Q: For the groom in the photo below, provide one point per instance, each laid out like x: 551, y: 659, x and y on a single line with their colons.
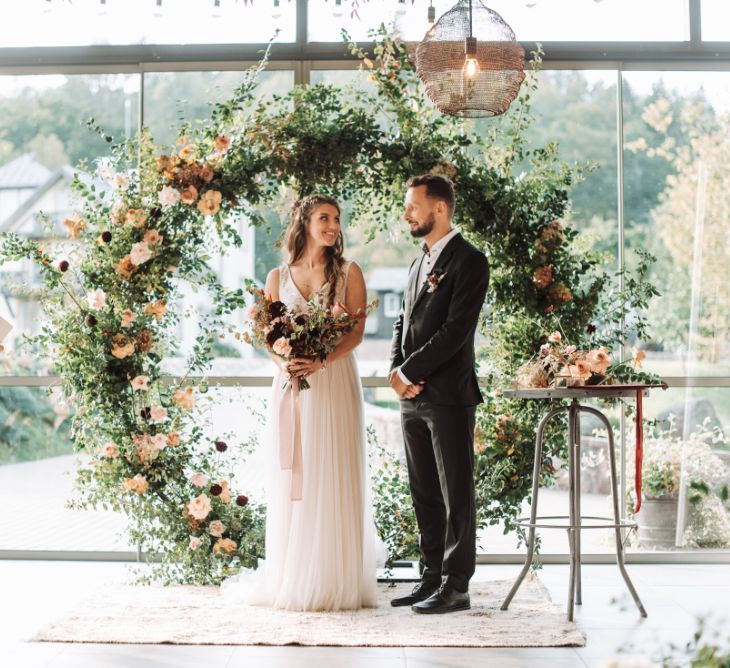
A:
x: 432, y: 371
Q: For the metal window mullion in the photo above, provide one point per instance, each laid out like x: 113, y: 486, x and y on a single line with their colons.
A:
x: 621, y: 267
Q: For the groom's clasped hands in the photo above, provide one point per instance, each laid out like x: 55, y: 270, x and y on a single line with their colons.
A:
x: 401, y: 389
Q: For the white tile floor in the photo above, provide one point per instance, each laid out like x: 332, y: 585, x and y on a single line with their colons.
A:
x: 34, y: 592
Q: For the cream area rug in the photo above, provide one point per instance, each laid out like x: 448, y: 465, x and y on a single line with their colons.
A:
x: 199, y: 616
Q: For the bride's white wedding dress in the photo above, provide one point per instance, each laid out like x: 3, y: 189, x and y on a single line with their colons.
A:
x: 321, y: 549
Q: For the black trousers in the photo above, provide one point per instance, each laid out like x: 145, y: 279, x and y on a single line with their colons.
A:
x: 440, y: 455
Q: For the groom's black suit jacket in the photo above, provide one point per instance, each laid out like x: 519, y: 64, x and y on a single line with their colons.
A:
x: 433, y: 337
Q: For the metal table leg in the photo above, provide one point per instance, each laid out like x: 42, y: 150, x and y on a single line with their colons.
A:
x: 576, y: 469
x: 616, y: 513
x: 533, y: 509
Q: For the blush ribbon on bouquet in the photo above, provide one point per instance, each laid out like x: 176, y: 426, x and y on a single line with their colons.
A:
x: 639, y: 450
x: 290, y: 435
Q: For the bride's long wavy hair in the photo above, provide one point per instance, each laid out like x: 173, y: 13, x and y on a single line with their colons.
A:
x: 295, y: 239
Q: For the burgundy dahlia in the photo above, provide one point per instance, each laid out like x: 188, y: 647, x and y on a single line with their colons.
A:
x: 216, y: 490
x: 106, y: 236
x: 63, y: 265
x: 91, y: 320
x: 221, y: 446
x: 241, y: 500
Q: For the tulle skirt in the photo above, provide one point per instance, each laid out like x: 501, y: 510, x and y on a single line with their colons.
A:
x: 322, y: 550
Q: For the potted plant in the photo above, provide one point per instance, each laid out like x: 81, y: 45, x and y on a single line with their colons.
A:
x: 706, y: 474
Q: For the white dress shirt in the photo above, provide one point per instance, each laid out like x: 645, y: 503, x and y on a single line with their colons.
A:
x: 431, y: 256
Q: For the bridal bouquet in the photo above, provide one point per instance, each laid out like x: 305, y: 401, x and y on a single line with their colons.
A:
x: 312, y: 333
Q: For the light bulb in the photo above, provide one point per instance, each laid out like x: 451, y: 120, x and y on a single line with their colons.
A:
x: 471, y: 69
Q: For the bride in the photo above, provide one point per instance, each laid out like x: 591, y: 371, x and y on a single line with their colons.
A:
x: 320, y: 548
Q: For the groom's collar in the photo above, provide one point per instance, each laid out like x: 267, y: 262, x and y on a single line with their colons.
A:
x: 441, y: 243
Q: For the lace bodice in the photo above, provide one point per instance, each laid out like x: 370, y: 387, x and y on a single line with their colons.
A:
x: 289, y: 293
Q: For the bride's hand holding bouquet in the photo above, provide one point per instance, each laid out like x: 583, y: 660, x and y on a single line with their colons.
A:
x: 301, y: 341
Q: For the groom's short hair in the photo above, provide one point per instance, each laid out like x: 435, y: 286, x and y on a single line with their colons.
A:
x: 437, y: 186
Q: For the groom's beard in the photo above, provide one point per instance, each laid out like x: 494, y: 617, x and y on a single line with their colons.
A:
x: 424, y: 228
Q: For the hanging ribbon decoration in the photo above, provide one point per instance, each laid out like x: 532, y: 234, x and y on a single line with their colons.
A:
x: 639, y: 450
x: 290, y: 438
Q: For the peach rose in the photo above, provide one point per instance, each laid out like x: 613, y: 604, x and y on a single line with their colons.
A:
x: 158, y: 414
x: 163, y: 163
x: 184, y: 398
x: 189, y: 195
x: 195, y: 542
x: 136, y: 218
x: 599, y: 360
x: 125, y: 267
x: 225, y: 545
x: 225, y: 496
x: 157, y: 309
x: 74, y: 226
x: 140, y: 383
x: 138, y: 484
x: 110, y: 450
x: 216, y: 528
x: 581, y: 369
x: 199, y: 479
x: 122, y: 347
x: 282, y: 347
x: 128, y: 317
x: 199, y: 507
x: 152, y: 237
x: 221, y: 143
x: 210, y: 203
x: 207, y: 173
x: 173, y: 438
x: 555, y: 337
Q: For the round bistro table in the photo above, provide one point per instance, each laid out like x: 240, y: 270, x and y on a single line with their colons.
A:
x: 574, y: 522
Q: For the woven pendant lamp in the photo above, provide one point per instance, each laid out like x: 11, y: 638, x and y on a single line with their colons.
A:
x: 470, y: 62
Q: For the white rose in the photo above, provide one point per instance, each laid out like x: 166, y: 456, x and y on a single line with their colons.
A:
x: 199, y: 479
x: 169, y: 196
x: 158, y: 414
x: 140, y: 253
x: 97, y: 299
x: 199, y: 507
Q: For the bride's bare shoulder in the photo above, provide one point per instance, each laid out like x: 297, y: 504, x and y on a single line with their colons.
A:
x: 272, y: 284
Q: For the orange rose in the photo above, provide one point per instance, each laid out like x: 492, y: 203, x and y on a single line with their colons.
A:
x: 125, y: 267
x: 210, y: 203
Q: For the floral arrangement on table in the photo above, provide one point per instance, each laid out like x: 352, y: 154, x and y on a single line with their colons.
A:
x: 561, y: 364
x: 312, y: 333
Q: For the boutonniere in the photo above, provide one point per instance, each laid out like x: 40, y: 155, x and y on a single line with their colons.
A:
x: 434, y: 278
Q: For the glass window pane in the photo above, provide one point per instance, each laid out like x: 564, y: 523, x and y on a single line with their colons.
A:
x: 676, y: 198
x: 538, y: 20
x: 170, y: 99
x: 715, y: 20
x: 120, y: 22
x: 686, y: 466
x: 42, y: 138
x: 38, y: 467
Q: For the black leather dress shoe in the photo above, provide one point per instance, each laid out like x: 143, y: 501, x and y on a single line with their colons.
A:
x: 446, y: 599
x: 420, y: 593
